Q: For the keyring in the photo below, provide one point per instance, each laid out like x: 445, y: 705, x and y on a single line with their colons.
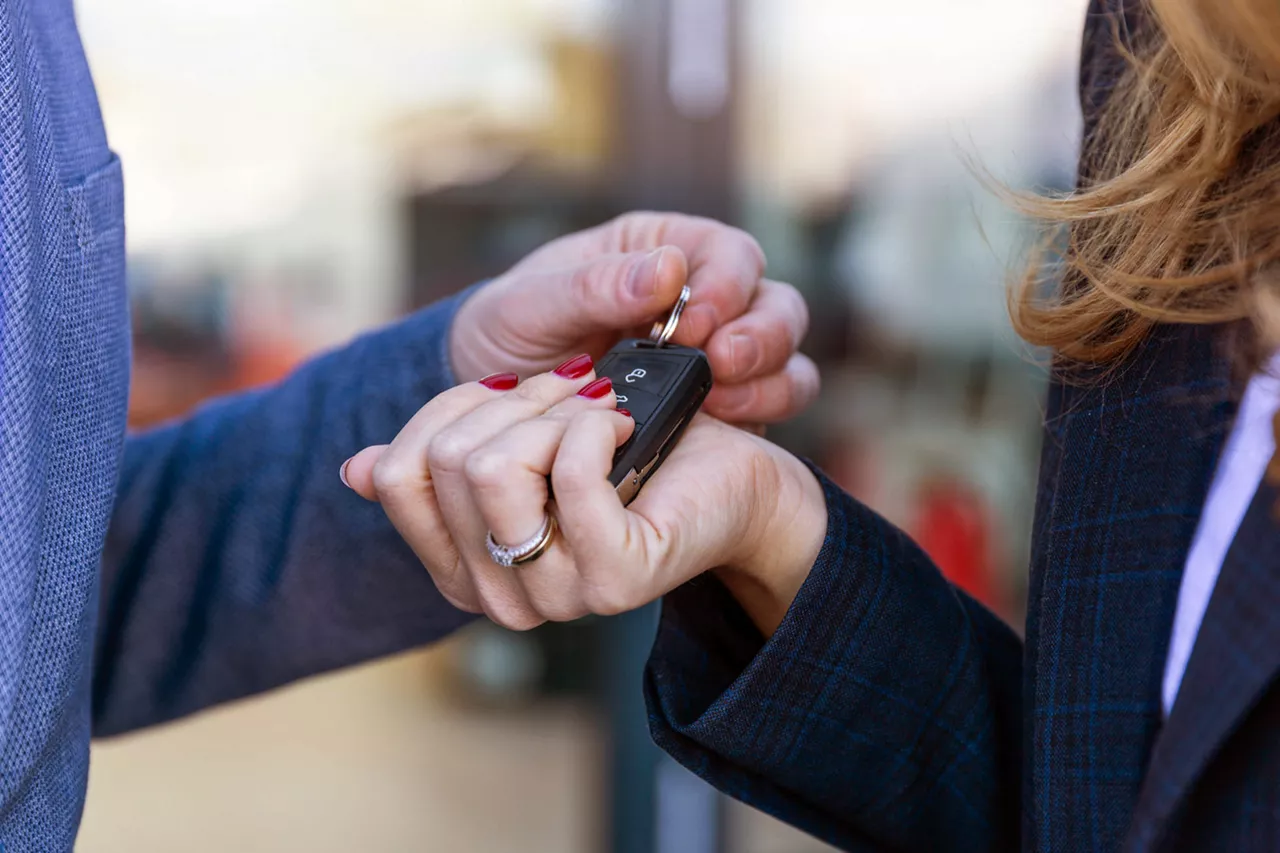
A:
x: 660, y: 334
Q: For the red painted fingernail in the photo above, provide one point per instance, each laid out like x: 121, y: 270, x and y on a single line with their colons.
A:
x: 501, y: 381
x: 597, y: 389
x: 342, y: 473
x: 626, y: 413
x: 576, y: 367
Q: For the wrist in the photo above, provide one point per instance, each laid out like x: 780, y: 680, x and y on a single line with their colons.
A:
x: 788, y: 527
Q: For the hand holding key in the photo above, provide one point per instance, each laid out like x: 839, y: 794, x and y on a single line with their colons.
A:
x: 585, y: 291
x: 477, y: 462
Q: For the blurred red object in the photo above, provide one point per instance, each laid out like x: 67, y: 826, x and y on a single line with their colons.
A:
x: 165, y: 386
x: 954, y: 529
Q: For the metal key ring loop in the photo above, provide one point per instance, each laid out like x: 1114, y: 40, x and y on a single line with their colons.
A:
x: 660, y: 334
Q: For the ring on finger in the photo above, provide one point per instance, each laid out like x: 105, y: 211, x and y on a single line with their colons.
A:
x: 527, y: 551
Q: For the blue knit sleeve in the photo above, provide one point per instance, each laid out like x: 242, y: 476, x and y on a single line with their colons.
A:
x: 237, y: 561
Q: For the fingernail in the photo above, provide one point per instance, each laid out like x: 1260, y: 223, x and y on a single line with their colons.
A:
x: 501, y: 381
x: 576, y: 367
x: 597, y: 389
x: 342, y: 473
x: 626, y: 413
x: 645, y: 277
x: 745, y: 354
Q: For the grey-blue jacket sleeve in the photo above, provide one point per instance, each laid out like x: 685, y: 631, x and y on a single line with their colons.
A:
x: 237, y: 561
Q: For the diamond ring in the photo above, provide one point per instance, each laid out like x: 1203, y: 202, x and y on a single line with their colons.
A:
x: 527, y: 551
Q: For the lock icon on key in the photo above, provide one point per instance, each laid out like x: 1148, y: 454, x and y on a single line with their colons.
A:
x: 662, y: 386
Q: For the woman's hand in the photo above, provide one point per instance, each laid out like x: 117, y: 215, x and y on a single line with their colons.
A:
x: 477, y: 458
x: 584, y: 292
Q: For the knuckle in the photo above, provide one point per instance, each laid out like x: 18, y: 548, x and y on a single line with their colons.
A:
x: 487, y: 469
x: 539, y: 393
x: 630, y: 219
x: 390, y: 476
x: 747, y: 399
x: 780, y: 339
x: 537, y: 397
x: 752, y: 245
x: 447, y: 452
x: 804, y: 384
x: 799, y: 309
x: 459, y: 602
x: 813, y: 383
x: 582, y: 285
x: 638, y: 230
x: 501, y: 600
x: 556, y: 608
x: 571, y: 474
x: 514, y: 618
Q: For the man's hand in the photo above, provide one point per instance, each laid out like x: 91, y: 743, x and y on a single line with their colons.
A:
x: 584, y: 292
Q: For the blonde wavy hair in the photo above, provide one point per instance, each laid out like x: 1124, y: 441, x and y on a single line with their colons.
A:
x: 1177, y: 215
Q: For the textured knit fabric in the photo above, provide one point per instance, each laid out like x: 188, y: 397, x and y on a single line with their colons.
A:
x: 891, y: 713
x: 63, y: 388
x: 236, y: 560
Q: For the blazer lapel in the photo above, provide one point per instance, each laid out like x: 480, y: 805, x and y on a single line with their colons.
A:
x: 1125, y: 471
x: 1235, y: 658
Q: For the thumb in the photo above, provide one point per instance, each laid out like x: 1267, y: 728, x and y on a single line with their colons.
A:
x: 357, y: 472
x: 607, y: 294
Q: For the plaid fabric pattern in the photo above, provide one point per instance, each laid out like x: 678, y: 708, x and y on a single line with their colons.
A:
x: 884, y: 714
x: 1232, y: 669
x: 1125, y: 473
x: 221, y: 550
x: 890, y: 712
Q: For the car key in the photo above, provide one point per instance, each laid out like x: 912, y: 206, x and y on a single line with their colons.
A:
x: 663, y: 386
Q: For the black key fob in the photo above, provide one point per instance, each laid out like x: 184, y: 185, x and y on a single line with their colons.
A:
x: 663, y: 387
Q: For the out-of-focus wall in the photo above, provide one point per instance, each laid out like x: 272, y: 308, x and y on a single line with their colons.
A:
x: 260, y: 133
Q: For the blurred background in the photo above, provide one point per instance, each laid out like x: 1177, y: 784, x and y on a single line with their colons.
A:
x: 298, y: 171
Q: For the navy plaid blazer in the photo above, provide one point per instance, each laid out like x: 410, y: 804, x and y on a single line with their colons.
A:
x: 892, y: 712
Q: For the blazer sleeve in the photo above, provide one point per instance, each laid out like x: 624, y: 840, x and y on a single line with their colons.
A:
x: 884, y: 713
x: 236, y: 561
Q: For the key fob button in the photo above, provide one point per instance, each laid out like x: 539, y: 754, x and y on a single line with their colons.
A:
x: 653, y: 374
x: 641, y: 404
x: 661, y: 387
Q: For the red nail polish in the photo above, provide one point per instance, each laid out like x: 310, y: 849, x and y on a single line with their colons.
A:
x: 576, y: 367
x: 501, y: 381
x: 624, y: 412
x: 597, y: 389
